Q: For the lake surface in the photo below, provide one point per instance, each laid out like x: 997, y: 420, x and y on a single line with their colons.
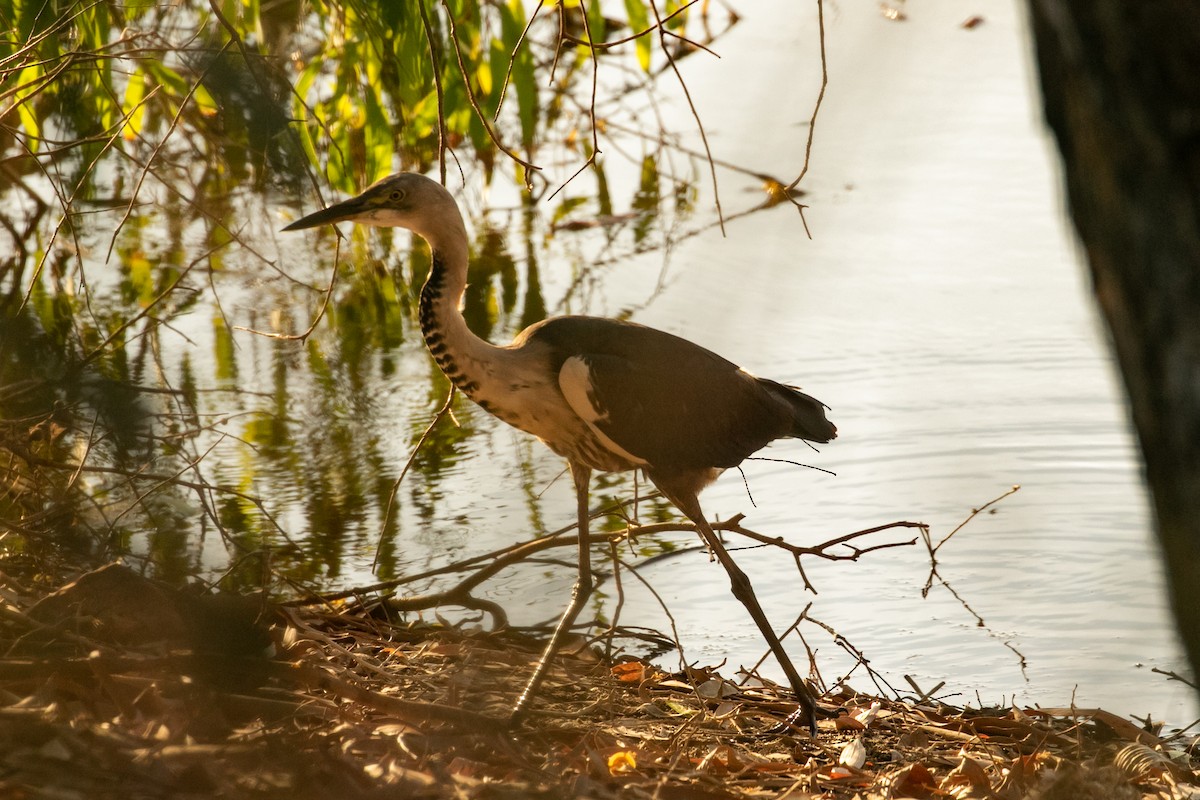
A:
x: 941, y: 309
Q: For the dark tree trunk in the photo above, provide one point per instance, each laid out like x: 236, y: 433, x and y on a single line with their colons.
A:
x: 1121, y: 83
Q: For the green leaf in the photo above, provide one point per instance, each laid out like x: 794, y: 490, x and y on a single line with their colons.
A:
x: 29, y: 83
x: 595, y: 21
x: 141, y: 277
x: 204, y: 101
x: 412, y: 63
x: 484, y: 77
x: 567, y: 205
x: 679, y: 22
x: 522, y: 80
x: 133, y: 105
x: 639, y: 21
x: 377, y: 136
x: 307, y: 77
x: 224, y: 351
x: 165, y: 77
x: 603, y: 197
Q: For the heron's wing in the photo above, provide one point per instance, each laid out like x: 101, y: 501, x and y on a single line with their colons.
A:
x: 666, y: 401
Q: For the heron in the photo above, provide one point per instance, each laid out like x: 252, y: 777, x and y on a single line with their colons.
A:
x: 607, y: 395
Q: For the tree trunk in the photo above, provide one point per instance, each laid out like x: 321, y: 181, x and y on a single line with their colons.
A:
x: 1121, y: 84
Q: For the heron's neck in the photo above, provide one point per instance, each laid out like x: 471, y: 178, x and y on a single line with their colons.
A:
x: 466, y: 359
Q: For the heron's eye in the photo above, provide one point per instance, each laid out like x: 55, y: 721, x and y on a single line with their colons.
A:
x: 396, y: 196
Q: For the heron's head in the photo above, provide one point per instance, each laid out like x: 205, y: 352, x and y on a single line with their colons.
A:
x: 405, y: 200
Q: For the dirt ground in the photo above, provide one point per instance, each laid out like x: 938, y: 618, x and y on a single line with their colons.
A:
x: 117, y: 686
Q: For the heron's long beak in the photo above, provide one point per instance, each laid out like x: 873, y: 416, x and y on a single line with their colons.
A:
x: 338, y: 212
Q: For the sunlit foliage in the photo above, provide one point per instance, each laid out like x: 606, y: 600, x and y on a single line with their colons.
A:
x: 346, y: 86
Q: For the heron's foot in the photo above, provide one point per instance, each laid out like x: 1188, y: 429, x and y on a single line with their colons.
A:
x: 515, y: 717
x: 803, y: 718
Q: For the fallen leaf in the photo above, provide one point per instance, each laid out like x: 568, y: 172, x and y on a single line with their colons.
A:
x: 622, y: 762
x: 914, y: 780
x: 854, y: 754
x: 845, y: 723
x: 717, y: 688
x: 967, y: 773
x: 629, y: 672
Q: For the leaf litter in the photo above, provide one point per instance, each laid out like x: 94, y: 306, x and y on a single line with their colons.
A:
x: 119, y: 686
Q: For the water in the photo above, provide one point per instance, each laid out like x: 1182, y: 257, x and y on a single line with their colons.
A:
x: 941, y: 310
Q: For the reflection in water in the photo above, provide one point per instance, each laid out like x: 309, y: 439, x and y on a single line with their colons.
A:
x: 168, y: 336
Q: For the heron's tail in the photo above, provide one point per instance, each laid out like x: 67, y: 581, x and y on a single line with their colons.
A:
x: 808, y: 414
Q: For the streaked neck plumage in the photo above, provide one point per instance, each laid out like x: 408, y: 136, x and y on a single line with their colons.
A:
x: 518, y: 384
x: 468, y: 361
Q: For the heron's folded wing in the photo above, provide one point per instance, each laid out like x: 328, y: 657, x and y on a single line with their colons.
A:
x: 682, y: 409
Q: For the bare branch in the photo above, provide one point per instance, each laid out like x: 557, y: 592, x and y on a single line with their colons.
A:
x: 487, y: 126
x: 695, y: 114
x: 812, y: 122
x: 387, y: 511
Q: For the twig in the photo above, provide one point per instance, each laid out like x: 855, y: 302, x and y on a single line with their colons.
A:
x: 441, y: 98
x: 591, y: 159
x: 387, y: 511
x: 924, y: 695
x: 483, y: 120
x: 658, y: 26
x: 934, y: 574
x: 145, y: 310
x: 512, y: 58
x: 498, y: 560
x: 619, y: 605
x: 666, y: 610
x: 859, y: 657
x: 695, y: 114
x: 974, y: 513
x: 767, y: 654
x: 327, y: 295
x: 1175, y: 676
x: 407, y: 710
x: 812, y: 122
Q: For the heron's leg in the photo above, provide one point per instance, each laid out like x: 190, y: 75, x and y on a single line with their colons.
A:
x: 579, y: 595
x: 744, y: 592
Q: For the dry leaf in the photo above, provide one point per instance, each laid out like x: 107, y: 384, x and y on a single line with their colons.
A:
x: 1144, y: 764
x: 854, y: 754
x: 622, y: 762
x: 629, y: 672
x: 845, y: 723
x: 867, y: 715
x: 968, y: 773
x: 717, y: 688
x: 915, y: 780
